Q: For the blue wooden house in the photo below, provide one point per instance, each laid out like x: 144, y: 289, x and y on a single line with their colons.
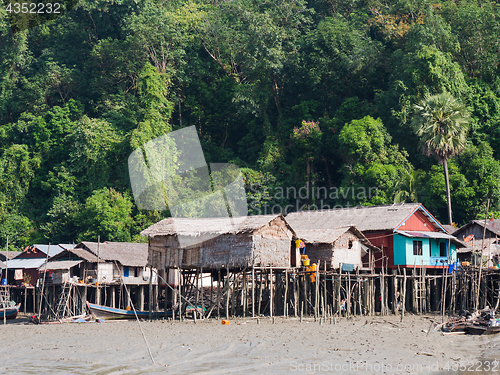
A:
x: 408, y: 234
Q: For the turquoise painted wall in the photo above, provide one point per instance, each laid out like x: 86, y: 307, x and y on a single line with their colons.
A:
x: 403, y: 251
x: 400, y: 249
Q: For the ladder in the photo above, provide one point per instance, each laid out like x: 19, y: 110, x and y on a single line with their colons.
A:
x: 62, y: 307
x: 4, y: 297
x: 420, y: 290
x: 420, y: 295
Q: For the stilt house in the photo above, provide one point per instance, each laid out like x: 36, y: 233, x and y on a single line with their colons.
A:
x: 24, y: 267
x: 214, y: 243
x: 105, y: 263
x: 337, y: 247
x: 407, y: 234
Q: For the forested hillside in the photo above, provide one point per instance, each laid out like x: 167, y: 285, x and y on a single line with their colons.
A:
x: 317, y: 94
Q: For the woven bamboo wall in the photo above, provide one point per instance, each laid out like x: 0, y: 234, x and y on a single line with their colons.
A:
x: 336, y: 253
x: 266, y: 246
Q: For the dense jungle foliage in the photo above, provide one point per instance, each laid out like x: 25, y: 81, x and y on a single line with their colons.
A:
x: 317, y: 95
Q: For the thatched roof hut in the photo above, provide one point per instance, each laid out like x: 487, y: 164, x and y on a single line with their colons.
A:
x: 336, y: 246
x: 212, y: 243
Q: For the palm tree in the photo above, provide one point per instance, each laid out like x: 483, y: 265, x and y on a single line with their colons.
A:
x: 442, y: 123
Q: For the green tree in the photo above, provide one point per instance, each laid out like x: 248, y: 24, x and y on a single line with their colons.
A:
x: 106, y: 213
x: 441, y: 122
x: 306, y: 144
x: 371, y: 161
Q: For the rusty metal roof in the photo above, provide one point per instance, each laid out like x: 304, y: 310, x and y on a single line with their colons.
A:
x: 331, y: 235
x: 373, y: 218
x: 60, y: 265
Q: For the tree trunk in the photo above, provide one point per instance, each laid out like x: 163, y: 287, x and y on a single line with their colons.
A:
x: 448, y: 196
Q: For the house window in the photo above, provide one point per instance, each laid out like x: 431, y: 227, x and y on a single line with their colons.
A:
x: 125, y: 271
x: 442, y: 249
x: 417, y: 247
x: 350, y: 244
x: 136, y: 271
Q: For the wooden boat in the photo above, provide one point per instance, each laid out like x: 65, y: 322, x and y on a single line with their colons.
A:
x: 10, y: 312
x: 477, y: 329
x: 110, y: 313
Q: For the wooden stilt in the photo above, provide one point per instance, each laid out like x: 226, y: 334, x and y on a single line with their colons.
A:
x: 253, y: 291
x: 244, y: 302
x: 165, y: 301
x: 382, y: 296
x: 271, y: 299
x: 348, y: 307
x: 196, y: 291
x: 403, y: 296
x: 228, y: 294
x: 261, y: 281
x: 234, y: 290
x: 218, y: 293
x: 201, y: 292
x: 181, y: 280
x: 285, y: 298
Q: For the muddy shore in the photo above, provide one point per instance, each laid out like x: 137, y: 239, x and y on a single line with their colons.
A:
x: 367, y: 345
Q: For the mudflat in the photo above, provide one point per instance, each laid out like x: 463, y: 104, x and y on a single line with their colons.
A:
x: 363, y: 345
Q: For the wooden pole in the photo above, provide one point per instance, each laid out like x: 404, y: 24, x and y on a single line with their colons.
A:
x: 244, y: 302
x: 196, y: 283
x: 165, y: 307
x: 201, y: 292
x: 212, y: 289
x: 295, y: 294
x: 339, y: 288
x: 304, y: 282
x: 260, y: 292
x: 234, y: 291
x: 218, y: 293
x: 443, y: 294
x: 285, y: 298
x: 7, y: 286
x: 150, y: 299
x: 228, y: 293
x: 271, y: 302
x: 403, y: 296
x: 348, y: 294
x: 382, y: 296
x: 25, y: 298
x: 181, y: 277
x: 317, y: 289
x: 481, y: 258
x: 43, y: 284
x: 253, y: 292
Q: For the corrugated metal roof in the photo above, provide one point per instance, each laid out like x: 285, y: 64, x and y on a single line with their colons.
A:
x: 51, y: 249
x: 331, y: 235
x: 449, y: 228
x: 321, y: 235
x: 126, y: 253
x: 421, y: 234
x: 363, y: 218
x: 9, y: 254
x: 491, y: 225
x: 60, y: 265
x: 477, y: 244
x: 80, y: 253
x: 23, y: 263
x: 67, y: 246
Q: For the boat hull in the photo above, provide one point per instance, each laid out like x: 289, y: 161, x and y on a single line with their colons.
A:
x: 10, y: 312
x: 483, y: 330
x: 111, y: 313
